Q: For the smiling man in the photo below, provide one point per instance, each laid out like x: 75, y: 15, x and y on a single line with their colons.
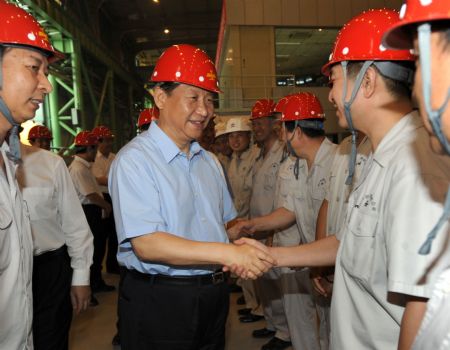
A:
x: 171, y: 204
x: 24, y: 54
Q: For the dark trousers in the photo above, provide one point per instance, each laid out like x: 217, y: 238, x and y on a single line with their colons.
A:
x: 94, y: 218
x: 161, y: 316
x: 110, y: 227
x: 52, y: 308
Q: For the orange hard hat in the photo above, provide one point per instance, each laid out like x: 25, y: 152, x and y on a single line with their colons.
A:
x: 102, y: 132
x: 39, y: 132
x: 413, y: 13
x: 262, y: 108
x: 361, y: 40
x: 86, y: 138
x: 19, y: 28
x: 188, y: 65
x: 147, y: 116
x: 302, y: 106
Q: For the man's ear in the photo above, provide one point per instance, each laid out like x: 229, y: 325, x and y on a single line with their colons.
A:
x: 370, y: 82
x: 160, y: 97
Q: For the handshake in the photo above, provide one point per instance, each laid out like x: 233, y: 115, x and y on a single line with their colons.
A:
x: 248, y: 258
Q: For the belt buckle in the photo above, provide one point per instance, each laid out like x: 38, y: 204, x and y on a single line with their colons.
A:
x: 218, y: 277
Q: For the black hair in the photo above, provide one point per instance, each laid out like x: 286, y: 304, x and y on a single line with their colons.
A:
x: 443, y: 28
x: 145, y: 127
x: 83, y: 149
x: 167, y: 86
x: 397, y: 88
x: 312, y: 133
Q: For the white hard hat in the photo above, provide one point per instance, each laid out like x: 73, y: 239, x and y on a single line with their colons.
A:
x: 219, y: 128
x: 238, y: 124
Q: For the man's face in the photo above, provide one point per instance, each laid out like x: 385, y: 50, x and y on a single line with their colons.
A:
x: 440, y: 82
x: 25, y: 82
x: 222, y: 146
x: 105, y: 147
x: 91, y: 153
x: 185, y: 112
x: 262, y: 129
x: 239, y: 140
x: 336, y: 92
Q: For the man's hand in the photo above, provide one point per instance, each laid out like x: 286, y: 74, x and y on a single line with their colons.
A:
x: 80, y: 297
x: 250, y: 260
x: 241, y: 228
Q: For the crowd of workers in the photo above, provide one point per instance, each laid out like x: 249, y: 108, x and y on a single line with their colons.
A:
x: 335, y: 246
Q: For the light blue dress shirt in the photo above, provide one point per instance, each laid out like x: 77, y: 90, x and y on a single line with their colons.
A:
x: 156, y: 187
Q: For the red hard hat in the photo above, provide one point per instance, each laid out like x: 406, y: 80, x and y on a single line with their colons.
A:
x: 86, y: 138
x: 301, y: 106
x: 147, y: 116
x: 102, y: 132
x: 188, y: 65
x: 412, y: 13
x: 18, y: 27
x: 361, y: 40
x: 281, y: 104
x: 262, y: 108
x: 39, y: 132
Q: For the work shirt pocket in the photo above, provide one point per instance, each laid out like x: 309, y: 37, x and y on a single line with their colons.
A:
x: 358, y: 251
x: 5, y: 233
x: 40, y: 202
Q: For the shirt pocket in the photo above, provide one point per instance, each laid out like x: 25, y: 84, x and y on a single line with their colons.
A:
x: 270, y: 177
x: 359, y: 250
x: 5, y: 237
x: 41, y: 202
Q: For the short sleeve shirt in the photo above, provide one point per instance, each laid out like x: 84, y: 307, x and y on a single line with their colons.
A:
x: 240, y: 176
x: 265, y: 172
x: 395, y: 205
x: 83, y: 179
x: 337, y: 191
x: 306, y: 202
x: 157, y: 188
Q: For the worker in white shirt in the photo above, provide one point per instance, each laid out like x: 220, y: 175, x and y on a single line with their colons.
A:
x: 265, y: 173
x: 62, y: 244
x: 25, y: 52
x: 381, y: 283
x: 100, y: 169
x: 94, y: 205
x: 304, y: 135
x: 424, y: 27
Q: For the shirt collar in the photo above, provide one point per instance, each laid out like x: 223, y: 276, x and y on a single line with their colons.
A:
x: 403, y: 129
x: 83, y: 161
x: 165, y: 144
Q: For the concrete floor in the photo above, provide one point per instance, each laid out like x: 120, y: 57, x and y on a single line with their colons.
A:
x: 95, y: 328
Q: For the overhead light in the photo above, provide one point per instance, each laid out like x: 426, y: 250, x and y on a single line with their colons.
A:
x: 156, y: 1
x: 320, y: 29
x: 166, y: 31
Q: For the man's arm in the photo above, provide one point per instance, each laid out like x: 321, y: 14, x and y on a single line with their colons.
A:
x: 278, y: 219
x: 96, y: 199
x: 166, y: 248
x: 318, y: 253
x: 412, y: 318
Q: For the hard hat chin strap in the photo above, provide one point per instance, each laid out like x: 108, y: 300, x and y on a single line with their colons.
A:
x: 435, y: 117
x: 348, y: 115
x: 13, y: 142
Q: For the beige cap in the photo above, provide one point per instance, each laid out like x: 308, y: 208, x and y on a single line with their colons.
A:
x: 238, y: 124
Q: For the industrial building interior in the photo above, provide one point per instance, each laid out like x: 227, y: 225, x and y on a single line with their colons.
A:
x: 261, y: 48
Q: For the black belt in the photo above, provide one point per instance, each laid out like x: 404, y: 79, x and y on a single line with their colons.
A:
x: 52, y: 254
x: 216, y: 277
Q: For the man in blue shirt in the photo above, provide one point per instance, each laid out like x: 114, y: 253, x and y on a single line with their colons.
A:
x: 171, y: 204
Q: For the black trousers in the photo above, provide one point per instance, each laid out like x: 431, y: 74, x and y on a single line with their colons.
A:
x: 52, y: 308
x: 94, y: 218
x: 110, y: 227
x: 164, y: 316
